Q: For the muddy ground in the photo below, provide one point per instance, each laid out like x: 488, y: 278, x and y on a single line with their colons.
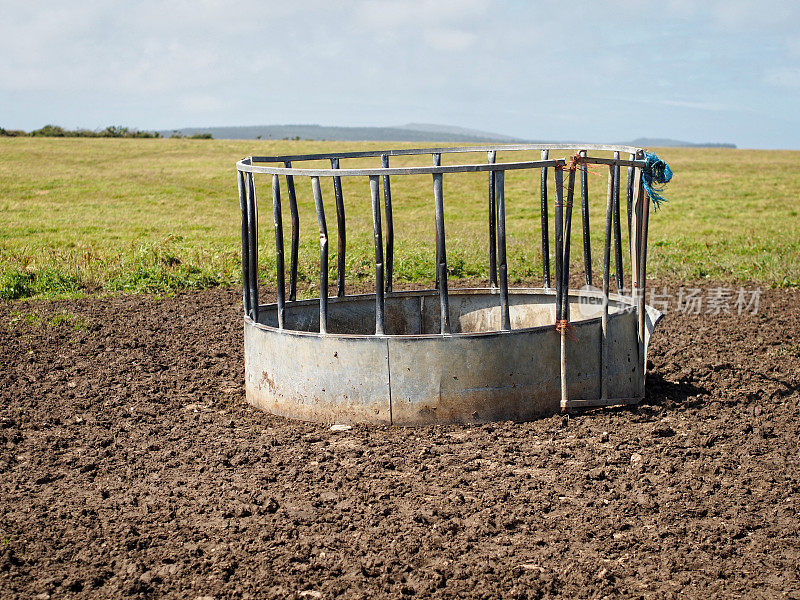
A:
x: 130, y: 466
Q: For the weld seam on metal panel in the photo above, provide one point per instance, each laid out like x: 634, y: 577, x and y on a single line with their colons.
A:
x: 389, y: 379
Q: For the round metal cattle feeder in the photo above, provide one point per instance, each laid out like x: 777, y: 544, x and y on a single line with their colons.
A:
x: 451, y: 355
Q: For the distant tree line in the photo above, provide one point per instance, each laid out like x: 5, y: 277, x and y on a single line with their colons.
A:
x: 112, y: 131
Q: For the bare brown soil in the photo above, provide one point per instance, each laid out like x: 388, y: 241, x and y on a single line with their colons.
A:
x: 130, y: 465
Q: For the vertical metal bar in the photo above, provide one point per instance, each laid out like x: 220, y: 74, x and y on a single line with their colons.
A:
x: 252, y: 237
x: 295, y: 234
x: 636, y: 270
x: 323, y: 256
x: 643, y: 278
x: 387, y: 201
x: 505, y: 318
x: 630, y: 199
x: 638, y: 241
x: 565, y: 288
x: 441, y: 254
x: 380, y: 318
x: 559, y: 206
x: 245, y: 245
x: 341, y: 233
x: 276, y: 212
x: 545, y: 218
x: 587, y: 242
x: 437, y: 162
x: 492, y: 157
x: 643, y: 238
x: 617, y: 230
x: 567, y: 240
x: 563, y: 364
x: 612, y: 184
x: 635, y: 237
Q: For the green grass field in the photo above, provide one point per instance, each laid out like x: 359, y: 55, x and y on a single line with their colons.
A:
x: 82, y: 216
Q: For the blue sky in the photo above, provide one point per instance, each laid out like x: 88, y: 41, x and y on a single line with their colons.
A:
x: 594, y: 71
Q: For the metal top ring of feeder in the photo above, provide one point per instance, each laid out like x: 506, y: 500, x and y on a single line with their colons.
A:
x: 250, y: 164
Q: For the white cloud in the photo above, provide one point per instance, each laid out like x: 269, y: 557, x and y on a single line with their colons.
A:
x: 783, y: 77
x: 201, y: 103
x: 394, y: 14
x: 713, y: 106
x: 792, y: 46
x: 780, y: 16
x: 523, y: 68
x: 449, y: 40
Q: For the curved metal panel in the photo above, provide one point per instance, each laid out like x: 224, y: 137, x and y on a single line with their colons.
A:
x: 415, y: 377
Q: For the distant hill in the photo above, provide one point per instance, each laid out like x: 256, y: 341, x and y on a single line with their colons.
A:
x: 459, y: 131
x: 667, y: 143
x: 412, y: 132
x: 405, y: 133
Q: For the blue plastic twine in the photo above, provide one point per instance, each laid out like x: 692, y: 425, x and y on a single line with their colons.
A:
x: 656, y: 174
